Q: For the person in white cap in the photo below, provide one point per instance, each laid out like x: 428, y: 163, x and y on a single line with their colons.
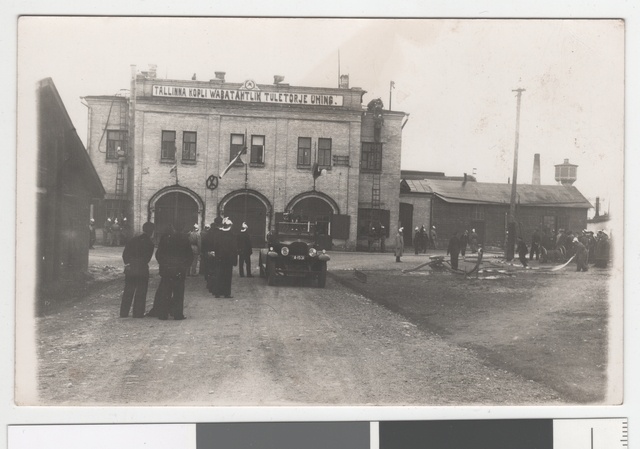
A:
x: 473, y: 241
x: 195, y: 241
x: 92, y: 233
x: 399, y: 249
x: 226, y: 254
x: 244, y: 251
x: 115, y: 233
x: 581, y: 255
x: 106, y: 232
x: 417, y: 241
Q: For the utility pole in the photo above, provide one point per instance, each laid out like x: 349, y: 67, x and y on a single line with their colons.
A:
x: 511, y: 229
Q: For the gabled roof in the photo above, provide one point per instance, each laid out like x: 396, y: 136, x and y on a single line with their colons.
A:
x: 493, y: 193
x: 79, y: 163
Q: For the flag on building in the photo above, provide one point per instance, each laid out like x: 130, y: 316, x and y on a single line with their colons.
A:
x: 236, y: 158
x: 233, y: 161
x: 174, y: 169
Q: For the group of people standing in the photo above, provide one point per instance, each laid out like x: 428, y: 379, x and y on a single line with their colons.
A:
x: 423, y: 239
x: 585, y: 246
x: 213, y: 253
x: 115, y: 232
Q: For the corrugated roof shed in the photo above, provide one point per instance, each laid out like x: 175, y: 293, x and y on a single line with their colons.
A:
x: 493, y: 193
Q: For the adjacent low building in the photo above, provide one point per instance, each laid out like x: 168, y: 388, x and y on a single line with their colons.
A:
x: 67, y: 185
x: 160, y: 151
x: 459, y: 205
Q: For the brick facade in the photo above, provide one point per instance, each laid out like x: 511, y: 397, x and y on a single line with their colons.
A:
x: 276, y: 182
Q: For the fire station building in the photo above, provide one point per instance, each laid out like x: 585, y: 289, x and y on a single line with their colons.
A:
x: 160, y: 150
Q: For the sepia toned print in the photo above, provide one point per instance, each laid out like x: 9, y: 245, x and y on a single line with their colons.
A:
x: 345, y: 212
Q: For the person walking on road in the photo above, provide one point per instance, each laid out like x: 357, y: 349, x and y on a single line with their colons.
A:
x: 174, y: 256
x: 136, y: 256
x: 454, y: 250
x: 196, y: 244
x: 244, y: 251
x: 226, y: 253
x: 399, y: 249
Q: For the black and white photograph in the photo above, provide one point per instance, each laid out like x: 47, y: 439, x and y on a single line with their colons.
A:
x: 266, y: 212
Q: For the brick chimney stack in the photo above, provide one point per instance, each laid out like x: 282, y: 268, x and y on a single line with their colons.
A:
x: 535, y: 180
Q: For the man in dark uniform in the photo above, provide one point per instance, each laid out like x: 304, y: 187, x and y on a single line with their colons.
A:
x: 174, y: 257
x: 424, y: 235
x: 136, y: 256
x: 581, y: 255
x: 454, y: 250
x: 522, y: 252
x: 203, y: 253
x: 473, y: 241
x: 244, y: 251
x: 226, y: 253
x: 536, y: 240
x: 208, y: 244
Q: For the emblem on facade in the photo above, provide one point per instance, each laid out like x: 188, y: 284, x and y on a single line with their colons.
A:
x: 212, y: 182
x: 249, y: 85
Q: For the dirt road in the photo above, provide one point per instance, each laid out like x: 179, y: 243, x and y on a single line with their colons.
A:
x: 280, y: 345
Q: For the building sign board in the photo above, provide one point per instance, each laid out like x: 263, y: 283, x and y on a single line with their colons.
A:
x: 254, y: 96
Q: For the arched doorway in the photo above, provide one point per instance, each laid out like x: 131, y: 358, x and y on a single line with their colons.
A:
x: 250, y: 209
x: 177, y: 206
x: 318, y: 209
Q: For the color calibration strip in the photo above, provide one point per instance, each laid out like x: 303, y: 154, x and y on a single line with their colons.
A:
x: 601, y: 433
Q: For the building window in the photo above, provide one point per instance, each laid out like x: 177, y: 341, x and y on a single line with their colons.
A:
x: 304, y: 150
x: 257, y: 150
x: 324, y: 152
x: 371, y: 159
x: 237, y: 145
x: 189, y: 141
x: 168, y: 152
x: 477, y: 213
x: 116, y: 142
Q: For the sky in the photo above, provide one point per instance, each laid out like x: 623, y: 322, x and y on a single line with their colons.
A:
x: 455, y: 79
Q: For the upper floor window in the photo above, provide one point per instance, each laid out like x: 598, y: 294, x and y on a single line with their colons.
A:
x: 257, y: 149
x: 237, y: 144
x: 324, y: 152
x: 116, y: 143
x: 168, y: 151
x: 371, y: 156
x: 304, y: 150
x: 189, y: 141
